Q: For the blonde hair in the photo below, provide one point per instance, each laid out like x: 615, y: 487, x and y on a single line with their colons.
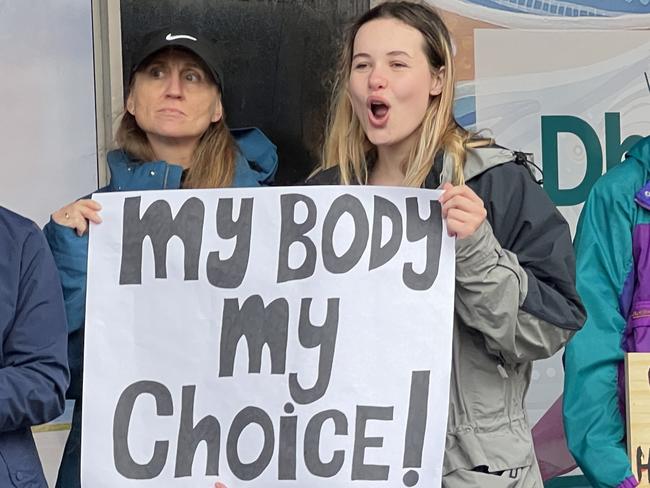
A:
x: 213, y: 161
x: 346, y: 145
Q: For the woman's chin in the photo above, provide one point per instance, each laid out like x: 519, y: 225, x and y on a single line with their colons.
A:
x: 173, y: 133
x: 378, y: 139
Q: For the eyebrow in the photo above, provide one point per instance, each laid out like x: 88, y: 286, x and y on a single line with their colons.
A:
x: 392, y: 53
x: 360, y: 55
x: 399, y: 53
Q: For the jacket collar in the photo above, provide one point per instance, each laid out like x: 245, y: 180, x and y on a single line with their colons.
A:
x: 641, y: 153
x: 478, y: 161
x: 128, y: 174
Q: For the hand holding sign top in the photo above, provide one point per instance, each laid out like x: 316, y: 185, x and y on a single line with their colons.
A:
x: 77, y: 214
x: 463, y: 209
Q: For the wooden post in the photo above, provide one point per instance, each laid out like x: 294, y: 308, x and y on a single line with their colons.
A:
x: 637, y: 387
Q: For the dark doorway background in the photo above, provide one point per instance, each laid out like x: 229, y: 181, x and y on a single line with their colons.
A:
x: 279, y: 56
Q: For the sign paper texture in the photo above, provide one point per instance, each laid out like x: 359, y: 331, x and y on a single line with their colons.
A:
x: 279, y: 337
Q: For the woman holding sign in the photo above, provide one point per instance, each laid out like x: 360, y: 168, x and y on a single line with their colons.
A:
x: 392, y: 123
x: 172, y: 135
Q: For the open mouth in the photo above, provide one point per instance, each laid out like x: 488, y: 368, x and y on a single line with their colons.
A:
x: 378, y: 112
x: 379, y: 109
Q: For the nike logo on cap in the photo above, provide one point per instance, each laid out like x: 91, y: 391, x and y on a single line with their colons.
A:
x: 171, y: 37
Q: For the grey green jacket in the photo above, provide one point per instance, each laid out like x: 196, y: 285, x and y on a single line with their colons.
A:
x: 515, y: 302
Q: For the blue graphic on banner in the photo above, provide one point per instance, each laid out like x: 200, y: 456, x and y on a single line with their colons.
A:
x: 465, y: 105
x: 573, y: 8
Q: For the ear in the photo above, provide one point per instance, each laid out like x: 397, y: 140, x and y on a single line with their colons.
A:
x: 218, y: 111
x: 130, y: 104
x: 438, y: 81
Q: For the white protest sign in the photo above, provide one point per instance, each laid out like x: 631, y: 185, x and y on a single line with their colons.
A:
x: 268, y: 337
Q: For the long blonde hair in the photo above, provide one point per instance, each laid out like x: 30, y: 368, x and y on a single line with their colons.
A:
x: 213, y: 161
x: 346, y: 145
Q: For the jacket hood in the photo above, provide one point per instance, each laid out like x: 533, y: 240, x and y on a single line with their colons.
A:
x: 641, y: 152
x: 260, y: 153
x: 478, y: 161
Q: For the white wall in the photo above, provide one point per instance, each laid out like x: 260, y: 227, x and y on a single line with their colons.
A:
x: 48, y: 153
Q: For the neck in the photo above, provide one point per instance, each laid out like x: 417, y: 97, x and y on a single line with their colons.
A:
x: 174, y: 151
x: 390, y: 165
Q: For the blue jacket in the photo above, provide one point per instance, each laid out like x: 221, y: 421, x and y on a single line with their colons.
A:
x: 256, y: 166
x: 33, y: 366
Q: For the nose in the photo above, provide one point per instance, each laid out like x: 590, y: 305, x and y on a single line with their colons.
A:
x: 174, y: 87
x: 377, y: 79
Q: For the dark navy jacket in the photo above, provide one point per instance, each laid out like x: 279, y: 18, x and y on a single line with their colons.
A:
x: 33, y: 358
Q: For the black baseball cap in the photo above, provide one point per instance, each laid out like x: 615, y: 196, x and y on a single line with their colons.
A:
x: 179, y: 36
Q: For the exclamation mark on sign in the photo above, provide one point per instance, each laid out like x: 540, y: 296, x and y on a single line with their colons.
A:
x: 416, y: 426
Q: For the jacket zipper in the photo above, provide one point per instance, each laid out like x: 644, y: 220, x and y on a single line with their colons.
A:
x: 165, y: 177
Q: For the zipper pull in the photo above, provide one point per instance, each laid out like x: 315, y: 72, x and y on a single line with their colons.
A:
x: 502, y: 371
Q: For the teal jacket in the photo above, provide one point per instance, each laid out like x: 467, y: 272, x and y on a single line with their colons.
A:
x: 614, y: 219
